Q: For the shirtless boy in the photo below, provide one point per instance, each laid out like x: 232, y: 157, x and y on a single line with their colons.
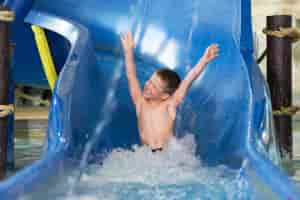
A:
x: 156, y: 104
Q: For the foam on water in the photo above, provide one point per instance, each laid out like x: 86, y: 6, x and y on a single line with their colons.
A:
x: 174, y: 173
x: 174, y: 164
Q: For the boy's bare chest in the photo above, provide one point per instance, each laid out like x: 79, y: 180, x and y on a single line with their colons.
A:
x: 154, y: 116
x: 153, y: 111
x: 155, y: 125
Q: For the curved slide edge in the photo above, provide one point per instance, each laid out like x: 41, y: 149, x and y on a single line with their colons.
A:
x: 33, y: 176
x: 267, y: 178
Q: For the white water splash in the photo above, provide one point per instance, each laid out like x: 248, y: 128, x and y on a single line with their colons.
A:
x: 174, y: 173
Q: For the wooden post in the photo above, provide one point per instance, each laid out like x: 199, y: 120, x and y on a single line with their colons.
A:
x: 4, y: 86
x: 279, y: 76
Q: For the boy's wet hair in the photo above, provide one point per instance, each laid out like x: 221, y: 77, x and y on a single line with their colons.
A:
x: 171, y: 78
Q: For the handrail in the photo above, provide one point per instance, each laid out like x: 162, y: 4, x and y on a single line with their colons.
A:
x: 45, y: 55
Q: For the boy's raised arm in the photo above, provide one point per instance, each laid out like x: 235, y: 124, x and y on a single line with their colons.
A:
x: 210, y: 53
x: 134, y: 86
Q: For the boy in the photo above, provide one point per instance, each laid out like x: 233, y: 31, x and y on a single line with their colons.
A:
x: 163, y: 92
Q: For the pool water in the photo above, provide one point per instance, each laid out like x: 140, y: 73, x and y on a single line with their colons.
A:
x: 27, y: 150
x: 175, y: 173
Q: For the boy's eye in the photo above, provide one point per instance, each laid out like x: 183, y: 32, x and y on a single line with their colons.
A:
x: 156, y: 86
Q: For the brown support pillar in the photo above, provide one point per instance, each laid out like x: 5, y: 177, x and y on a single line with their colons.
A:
x: 279, y: 75
x: 4, y: 88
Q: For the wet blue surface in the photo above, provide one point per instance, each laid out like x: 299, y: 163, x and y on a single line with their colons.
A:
x: 227, y: 108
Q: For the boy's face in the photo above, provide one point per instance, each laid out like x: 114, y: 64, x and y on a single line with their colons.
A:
x: 155, y: 88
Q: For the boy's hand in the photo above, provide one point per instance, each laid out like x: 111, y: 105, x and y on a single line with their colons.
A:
x: 134, y: 86
x: 127, y: 42
x: 210, y: 53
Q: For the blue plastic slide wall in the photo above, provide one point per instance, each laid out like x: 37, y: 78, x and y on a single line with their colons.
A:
x: 227, y: 108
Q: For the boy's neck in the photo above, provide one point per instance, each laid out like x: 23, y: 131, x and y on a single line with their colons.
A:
x: 155, y: 101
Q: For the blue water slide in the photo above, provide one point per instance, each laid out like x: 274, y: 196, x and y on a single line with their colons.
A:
x: 227, y: 109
